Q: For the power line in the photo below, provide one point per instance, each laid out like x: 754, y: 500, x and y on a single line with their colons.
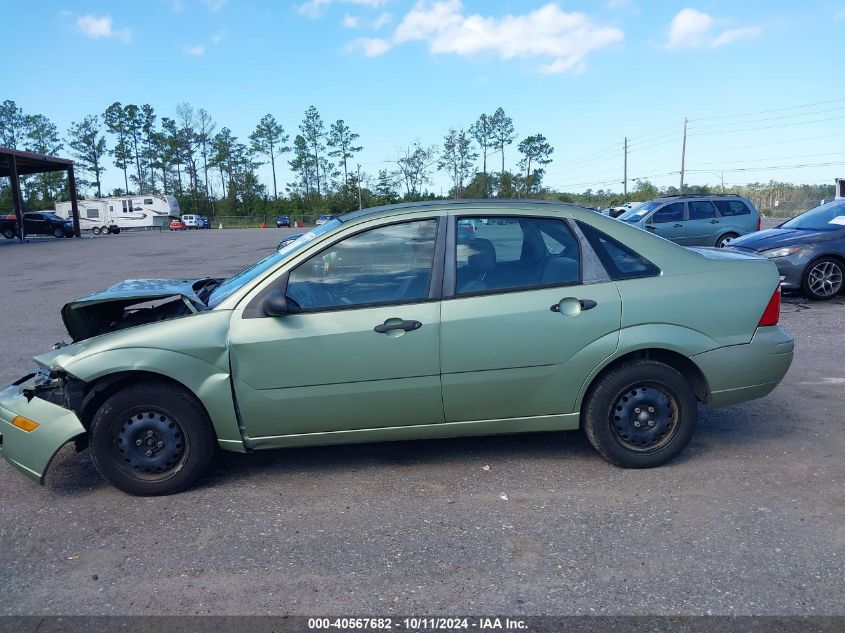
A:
x: 772, y: 167
x: 773, y: 118
x: 781, y: 142
x: 784, y: 157
x: 769, y: 127
x: 750, y: 114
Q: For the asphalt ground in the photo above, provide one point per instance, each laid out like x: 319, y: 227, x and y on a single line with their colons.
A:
x: 750, y: 519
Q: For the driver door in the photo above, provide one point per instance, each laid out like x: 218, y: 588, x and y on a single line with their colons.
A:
x: 360, y: 348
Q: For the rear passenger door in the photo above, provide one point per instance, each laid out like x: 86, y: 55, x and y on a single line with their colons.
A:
x: 703, y: 223
x: 508, y: 350
x: 669, y: 222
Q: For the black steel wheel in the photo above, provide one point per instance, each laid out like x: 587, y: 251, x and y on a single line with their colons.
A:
x: 823, y: 279
x: 151, y: 439
x: 640, y: 414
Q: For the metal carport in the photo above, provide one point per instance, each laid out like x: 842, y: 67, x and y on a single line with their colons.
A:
x: 15, y: 163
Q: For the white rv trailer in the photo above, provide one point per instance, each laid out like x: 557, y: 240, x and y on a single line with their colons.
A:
x: 104, y: 215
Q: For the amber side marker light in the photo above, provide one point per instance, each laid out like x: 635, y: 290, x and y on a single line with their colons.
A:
x: 24, y: 424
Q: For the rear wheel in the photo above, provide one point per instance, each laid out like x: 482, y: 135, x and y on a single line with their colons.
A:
x: 640, y: 414
x: 96, y: 230
x: 823, y: 279
x: 9, y: 233
x: 725, y: 240
x: 151, y: 438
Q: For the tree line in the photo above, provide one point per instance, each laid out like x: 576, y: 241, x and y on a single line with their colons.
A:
x: 211, y: 170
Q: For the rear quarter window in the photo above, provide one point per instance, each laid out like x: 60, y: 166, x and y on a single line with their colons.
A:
x: 619, y: 261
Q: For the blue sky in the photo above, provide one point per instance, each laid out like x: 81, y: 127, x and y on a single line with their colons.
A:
x: 759, y: 81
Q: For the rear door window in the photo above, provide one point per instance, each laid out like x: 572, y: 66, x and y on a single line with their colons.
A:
x: 510, y: 253
x: 701, y: 210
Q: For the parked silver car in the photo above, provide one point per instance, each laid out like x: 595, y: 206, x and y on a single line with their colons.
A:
x: 693, y: 220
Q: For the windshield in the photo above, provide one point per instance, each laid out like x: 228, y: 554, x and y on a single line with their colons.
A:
x: 638, y: 212
x: 827, y: 217
x: 245, y: 276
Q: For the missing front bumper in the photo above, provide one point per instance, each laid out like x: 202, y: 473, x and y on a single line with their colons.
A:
x: 32, y: 451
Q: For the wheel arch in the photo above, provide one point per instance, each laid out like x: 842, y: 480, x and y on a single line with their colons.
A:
x: 683, y: 364
x: 210, y: 384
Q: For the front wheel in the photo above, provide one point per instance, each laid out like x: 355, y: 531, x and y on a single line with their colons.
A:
x: 96, y: 230
x: 640, y: 414
x: 151, y: 438
x: 823, y: 279
x: 725, y: 240
x: 58, y: 233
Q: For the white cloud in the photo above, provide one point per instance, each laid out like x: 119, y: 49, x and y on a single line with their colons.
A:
x: 350, y: 21
x: 315, y: 8
x: 562, y: 39
x: 214, y: 5
x: 101, y: 27
x: 370, y: 46
x: 691, y: 28
x: 381, y: 21
x: 197, y: 50
x: 735, y: 35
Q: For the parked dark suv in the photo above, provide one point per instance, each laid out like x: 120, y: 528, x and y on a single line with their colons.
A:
x: 37, y: 223
x: 696, y: 220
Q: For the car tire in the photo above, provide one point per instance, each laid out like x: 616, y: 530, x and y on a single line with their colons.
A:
x: 58, y: 233
x: 96, y: 230
x: 151, y: 438
x: 725, y: 240
x: 9, y: 233
x: 823, y: 279
x: 640, y: 414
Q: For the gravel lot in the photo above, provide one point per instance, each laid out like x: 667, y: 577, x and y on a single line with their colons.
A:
x: 749, y: 520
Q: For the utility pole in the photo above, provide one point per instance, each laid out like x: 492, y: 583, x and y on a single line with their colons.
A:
x: 683, y: 155
x: 625, y: 181
x: 723, y: 182
x: 359, y: 186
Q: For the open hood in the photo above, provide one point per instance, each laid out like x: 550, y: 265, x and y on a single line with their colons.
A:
x: 130, y: 303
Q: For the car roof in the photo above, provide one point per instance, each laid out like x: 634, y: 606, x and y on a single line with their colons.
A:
x: 489, y: 203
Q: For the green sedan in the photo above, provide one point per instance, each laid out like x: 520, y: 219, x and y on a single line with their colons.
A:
x: 424, y: 320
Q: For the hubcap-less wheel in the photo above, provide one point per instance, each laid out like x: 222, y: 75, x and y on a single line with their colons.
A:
x: 825, y: 279
x: 151, y: 445
x: 644, y: 417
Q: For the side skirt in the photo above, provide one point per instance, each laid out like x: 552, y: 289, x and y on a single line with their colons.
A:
x: 563, y: 422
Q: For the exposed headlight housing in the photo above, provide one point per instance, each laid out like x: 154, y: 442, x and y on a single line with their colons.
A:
x: 782, y: 252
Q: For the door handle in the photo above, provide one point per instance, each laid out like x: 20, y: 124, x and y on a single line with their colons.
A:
x: 397, y: 324
x: 585, y: 304
x: 714, y: 221
x: 677, y: 226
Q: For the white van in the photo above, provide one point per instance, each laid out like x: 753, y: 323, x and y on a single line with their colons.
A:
x: 192, y: 221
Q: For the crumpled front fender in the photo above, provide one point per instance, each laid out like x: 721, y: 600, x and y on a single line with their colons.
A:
x: 31, y: 452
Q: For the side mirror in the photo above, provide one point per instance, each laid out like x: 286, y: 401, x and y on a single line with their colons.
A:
x: 275, y: 304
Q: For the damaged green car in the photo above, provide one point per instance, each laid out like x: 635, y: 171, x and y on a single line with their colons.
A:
x: 411, y: 321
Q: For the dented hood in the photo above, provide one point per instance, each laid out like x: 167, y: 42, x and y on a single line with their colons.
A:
x: 92, y: 314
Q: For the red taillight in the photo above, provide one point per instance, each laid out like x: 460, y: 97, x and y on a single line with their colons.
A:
x: 759, y: 221
x: 771, y: 315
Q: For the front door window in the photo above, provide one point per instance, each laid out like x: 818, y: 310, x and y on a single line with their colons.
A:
x: 389, y: 264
